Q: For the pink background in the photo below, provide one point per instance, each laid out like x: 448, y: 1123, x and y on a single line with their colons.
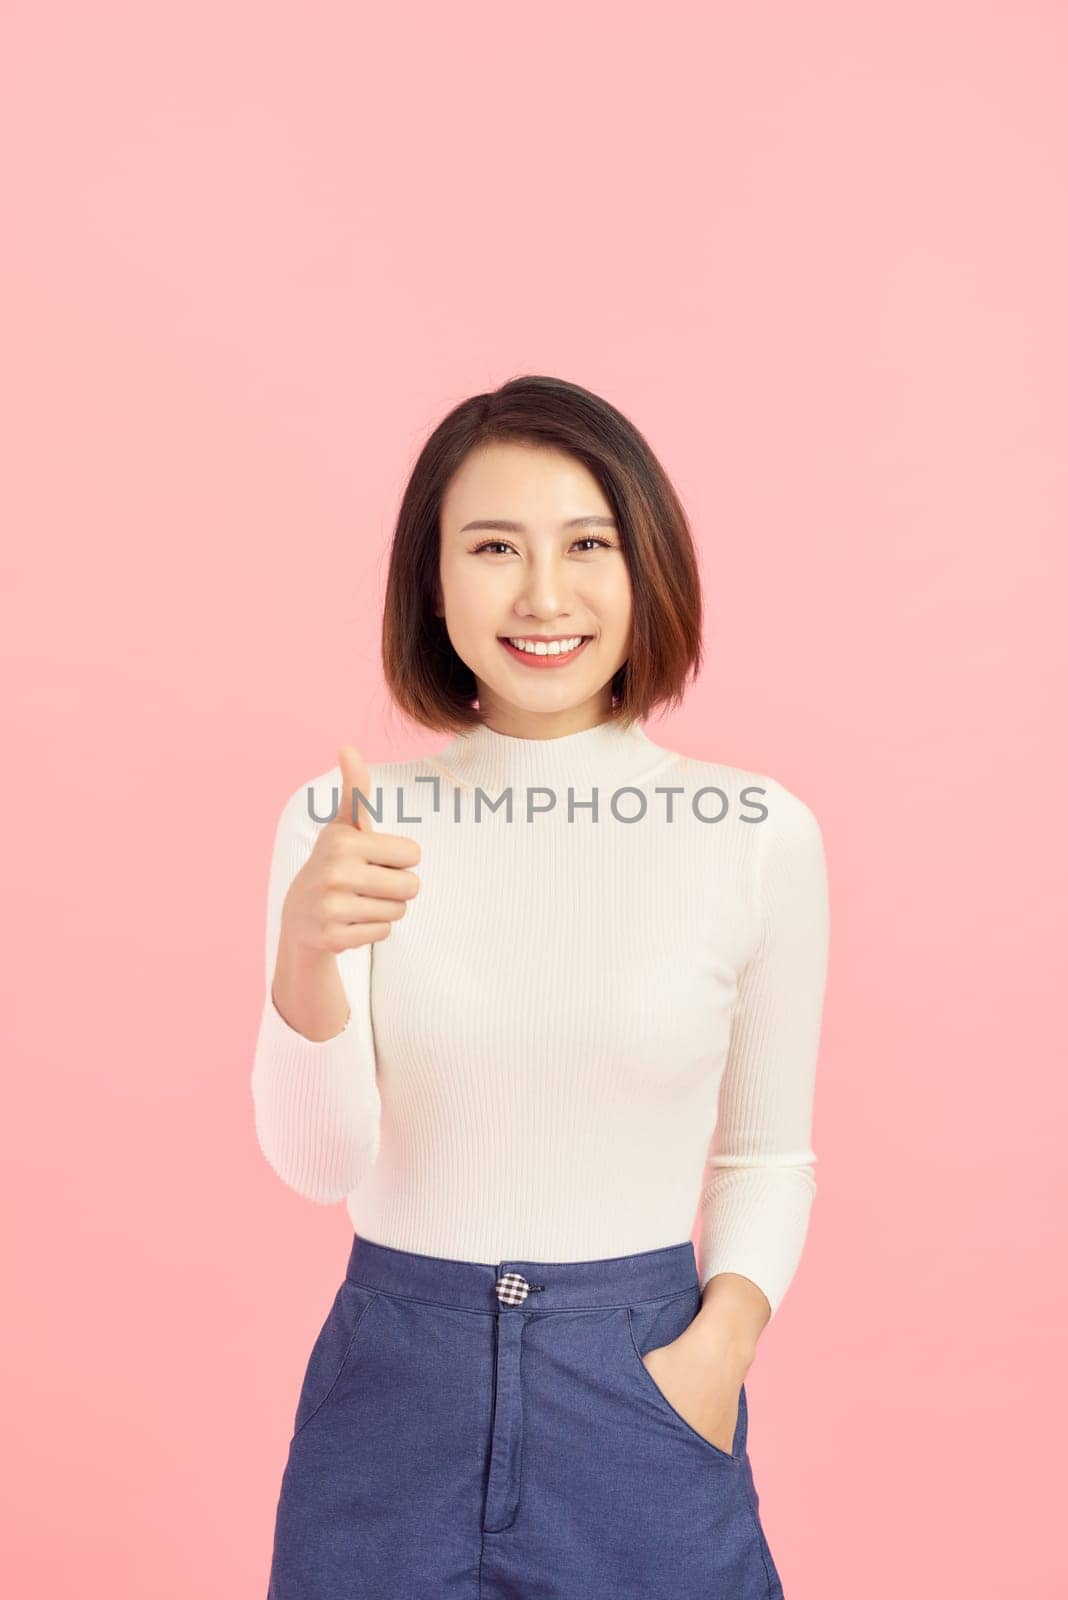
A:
x: 818, y: 254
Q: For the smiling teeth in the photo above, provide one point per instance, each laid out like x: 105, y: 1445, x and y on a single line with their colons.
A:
x: 558, y: 646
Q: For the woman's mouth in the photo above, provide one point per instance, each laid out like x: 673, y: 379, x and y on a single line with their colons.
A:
x: 542, y: 653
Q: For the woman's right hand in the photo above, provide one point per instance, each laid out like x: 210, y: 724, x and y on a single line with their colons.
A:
x: 355, y: 884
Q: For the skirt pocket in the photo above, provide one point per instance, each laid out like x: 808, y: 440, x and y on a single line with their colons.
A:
x: 333, y: 1351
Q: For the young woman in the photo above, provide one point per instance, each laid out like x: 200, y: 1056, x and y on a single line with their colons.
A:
x: 536, y: 1006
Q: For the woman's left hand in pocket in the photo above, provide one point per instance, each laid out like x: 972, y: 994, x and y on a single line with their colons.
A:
x: 704, y: 1386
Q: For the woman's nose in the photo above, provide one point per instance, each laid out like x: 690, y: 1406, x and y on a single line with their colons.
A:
x: 545, y: 589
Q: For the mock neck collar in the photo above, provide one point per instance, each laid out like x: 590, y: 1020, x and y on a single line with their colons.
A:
x: 607, y: 755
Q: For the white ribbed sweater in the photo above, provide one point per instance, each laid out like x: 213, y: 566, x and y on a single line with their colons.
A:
x: 537, y: 1052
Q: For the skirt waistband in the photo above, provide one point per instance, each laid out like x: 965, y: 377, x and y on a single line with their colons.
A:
x: 541, y: 1285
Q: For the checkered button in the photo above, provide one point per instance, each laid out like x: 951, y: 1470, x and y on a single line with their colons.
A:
x: 512, y: 1289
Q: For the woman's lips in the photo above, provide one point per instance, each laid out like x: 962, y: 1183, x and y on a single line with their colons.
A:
x: 528, y: 659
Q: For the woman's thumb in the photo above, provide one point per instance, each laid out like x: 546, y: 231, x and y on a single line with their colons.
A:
x: 355, y: 781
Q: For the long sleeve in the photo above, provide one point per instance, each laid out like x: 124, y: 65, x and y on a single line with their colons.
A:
x: 758, y: 1183
x: 316, y: 1102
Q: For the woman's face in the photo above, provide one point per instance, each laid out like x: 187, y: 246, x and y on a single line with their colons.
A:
x: 536, y: 578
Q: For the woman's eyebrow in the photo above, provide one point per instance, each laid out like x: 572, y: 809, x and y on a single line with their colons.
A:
x: 500, y: 526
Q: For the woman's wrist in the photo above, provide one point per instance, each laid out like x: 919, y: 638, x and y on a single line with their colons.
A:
x: 307, y: 991
x: 734, y: 1312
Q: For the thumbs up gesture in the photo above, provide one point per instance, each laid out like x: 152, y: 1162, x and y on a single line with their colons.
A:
x: 356, y: 883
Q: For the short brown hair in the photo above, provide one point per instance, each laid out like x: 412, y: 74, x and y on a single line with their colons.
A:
x: 426, y: 678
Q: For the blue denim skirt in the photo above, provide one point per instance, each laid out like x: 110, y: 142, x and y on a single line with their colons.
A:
x: 489, y: 1432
